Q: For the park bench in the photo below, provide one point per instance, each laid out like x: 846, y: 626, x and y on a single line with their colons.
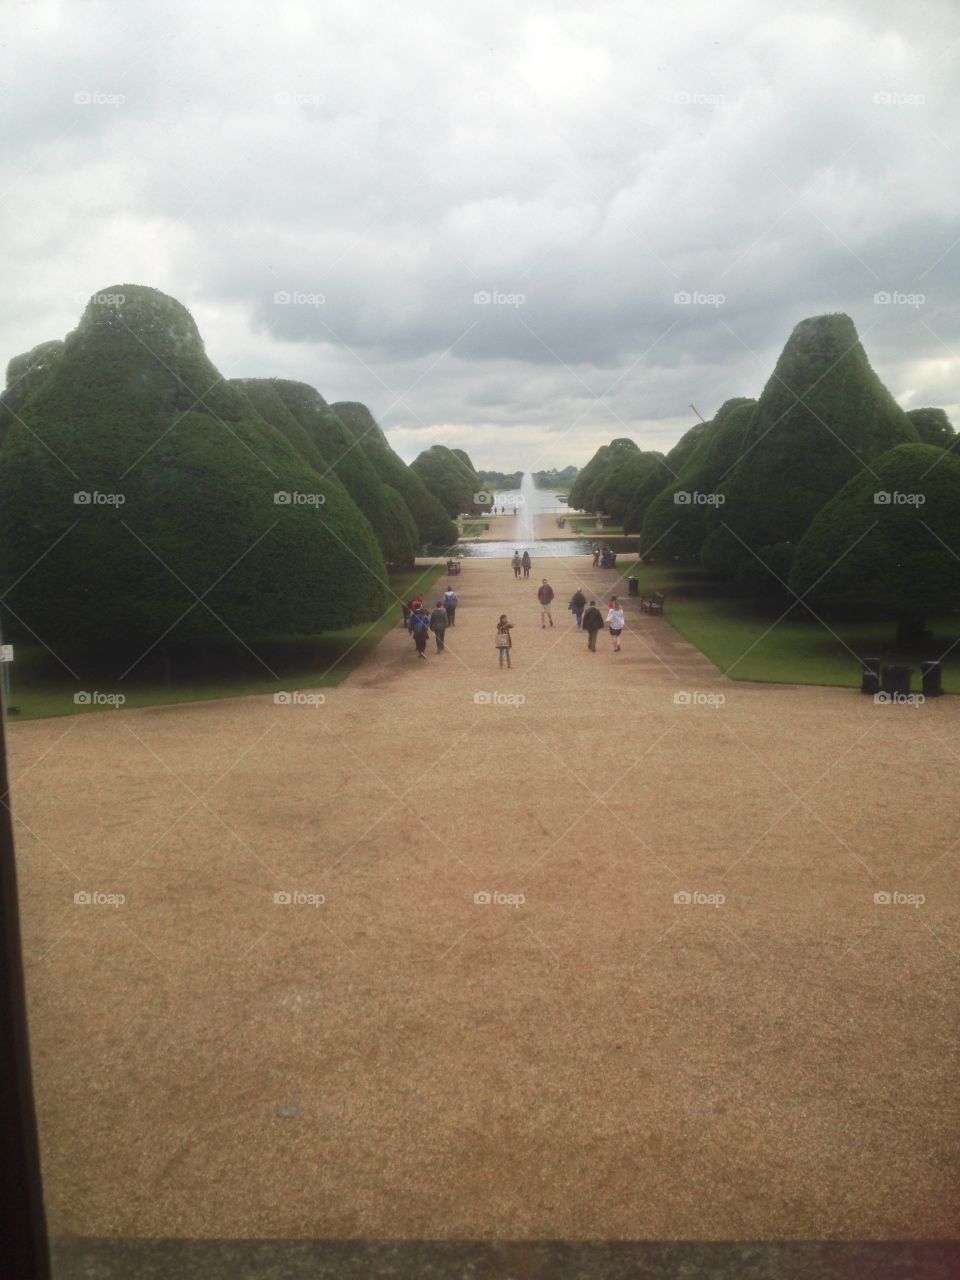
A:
x: 652, y: 603
x: 453, y: 566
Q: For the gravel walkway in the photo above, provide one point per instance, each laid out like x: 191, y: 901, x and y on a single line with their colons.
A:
x: 572, y: 1054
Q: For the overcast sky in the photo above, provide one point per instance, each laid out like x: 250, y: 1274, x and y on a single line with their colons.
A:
x: 328, y: 187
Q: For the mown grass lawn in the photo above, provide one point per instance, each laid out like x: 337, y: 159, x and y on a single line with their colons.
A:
x: 588, y: 525
x: 41, y: 686
x: 753, y: 640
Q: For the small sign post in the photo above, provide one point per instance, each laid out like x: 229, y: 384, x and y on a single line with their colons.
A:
x: 6, y: 657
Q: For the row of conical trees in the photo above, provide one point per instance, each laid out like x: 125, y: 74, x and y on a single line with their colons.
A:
x: 823, y: 487
x: 143, y: 496
x: 453, y: 480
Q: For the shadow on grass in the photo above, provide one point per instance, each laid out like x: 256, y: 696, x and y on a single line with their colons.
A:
x: 781, y: 641
x: 64, y: 680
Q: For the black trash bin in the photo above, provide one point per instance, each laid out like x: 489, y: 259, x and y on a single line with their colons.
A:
x: 896, y: 680
x: 870, y: 675
x: 931, y: 676
x: 633, y: 587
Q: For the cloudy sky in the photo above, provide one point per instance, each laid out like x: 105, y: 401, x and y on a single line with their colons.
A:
x: 518, y: 228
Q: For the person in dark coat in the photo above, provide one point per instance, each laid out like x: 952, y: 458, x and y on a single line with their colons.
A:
x: 578, y: 602
x: 592, y: 624
x: 438, y: 624
x: 526, y: 562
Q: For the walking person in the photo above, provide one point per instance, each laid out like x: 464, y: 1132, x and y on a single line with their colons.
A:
x: 615, y: 622
x: 516, y: 562
x: 504, y: 641
x: 450, y: 603
x: 545, y: 596
x: 592, y: 625
x: 413, y: 607
x: 596, y: 554
x: 420, y: 630
x: 438, y: 624
x: 526, y: 562
x: 578, y: 602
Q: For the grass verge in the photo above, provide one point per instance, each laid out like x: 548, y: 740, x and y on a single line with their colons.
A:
x: 761, y: 640
x: 42, y: 685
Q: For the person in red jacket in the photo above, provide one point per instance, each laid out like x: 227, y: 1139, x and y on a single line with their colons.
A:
x: 545, y: 596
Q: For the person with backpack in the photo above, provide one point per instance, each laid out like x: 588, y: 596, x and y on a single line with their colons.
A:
x: 615, y: 622
x: 545, y: 596
x: 420, y: 630
x: 438, y: 624
x: 413, y: 606
x: 578, y: 602
x: 526, y: 562
x: 450, y: 603
x: 515, y: 562
x: 503, y: 641
x: 592, y: 625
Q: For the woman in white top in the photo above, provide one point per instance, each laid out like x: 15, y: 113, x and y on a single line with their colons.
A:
x: 615, y: 622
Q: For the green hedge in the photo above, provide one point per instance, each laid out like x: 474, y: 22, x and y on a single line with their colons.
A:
x: 132, y: 409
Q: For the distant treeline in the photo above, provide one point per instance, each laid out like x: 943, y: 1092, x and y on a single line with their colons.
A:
x: 554, y: 479
x: 500, y: 480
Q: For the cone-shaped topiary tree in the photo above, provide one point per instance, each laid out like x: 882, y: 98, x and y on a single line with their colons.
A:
x: 433, y: 524
x: 890, y: 537
x: 305, y: 418
x: 450, y: 477
x: 933, y: 427
x: 142, y: 496
x: 586, y: 492
x: 25, y: 374
x: 679, y: 518
x: 821, y: 417
x: 628, y: 486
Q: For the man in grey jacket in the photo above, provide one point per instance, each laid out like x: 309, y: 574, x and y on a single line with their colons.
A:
x: 438, y: 624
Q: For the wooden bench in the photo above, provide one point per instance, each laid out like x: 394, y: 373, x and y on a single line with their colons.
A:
x: 653, y: 603
x: 453, y: 566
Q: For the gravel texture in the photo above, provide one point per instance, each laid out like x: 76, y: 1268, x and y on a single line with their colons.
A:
x: 400, y: 1061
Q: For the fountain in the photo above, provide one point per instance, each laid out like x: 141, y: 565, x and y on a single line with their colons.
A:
x: 526, y: 527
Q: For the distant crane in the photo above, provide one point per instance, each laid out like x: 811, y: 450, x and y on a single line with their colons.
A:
x: 698, y: 413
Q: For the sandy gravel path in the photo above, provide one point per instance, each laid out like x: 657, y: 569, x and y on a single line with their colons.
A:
x: 405, y: 1061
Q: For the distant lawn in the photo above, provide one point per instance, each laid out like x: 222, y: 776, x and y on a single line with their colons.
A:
x: 473, y: 528
x: 42, y: 687
x: 588, y: 524
x: 750, y: 640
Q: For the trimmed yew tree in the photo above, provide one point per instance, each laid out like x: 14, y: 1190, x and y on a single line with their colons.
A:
x: 822, y: 416
x: 889, y: 538
x: 433, y: 524
x: 308, y: 422
x: 681, y: 516
x: 449, y: 476
x: 142, y: 496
